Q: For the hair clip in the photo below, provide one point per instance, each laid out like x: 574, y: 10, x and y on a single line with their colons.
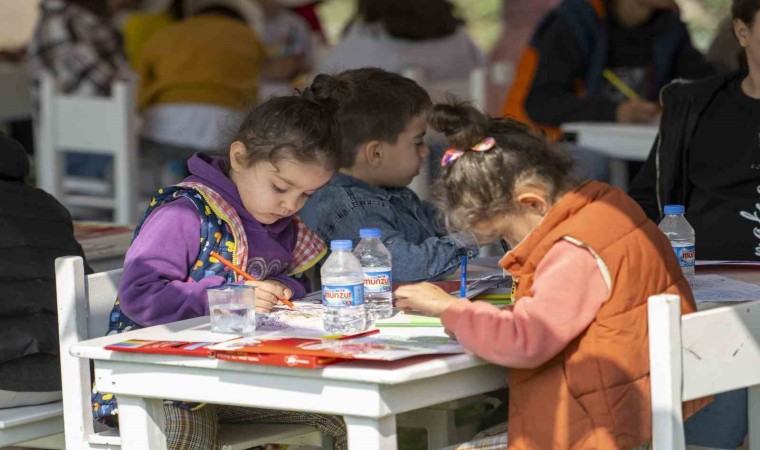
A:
x: 453, y: 154
x: 484, y: 145
x: 450, y: 156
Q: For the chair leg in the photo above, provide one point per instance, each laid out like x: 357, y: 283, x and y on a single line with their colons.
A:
x: 438, y: 423
x: 753, y: 406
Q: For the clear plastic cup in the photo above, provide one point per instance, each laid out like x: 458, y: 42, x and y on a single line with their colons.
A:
x: 232, y: 309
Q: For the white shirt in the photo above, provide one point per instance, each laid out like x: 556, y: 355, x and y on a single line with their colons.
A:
x: 199, y: 126
x: 447, y: 58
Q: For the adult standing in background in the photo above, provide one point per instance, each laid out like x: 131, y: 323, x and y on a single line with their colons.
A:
x: 35, y: 229
x: 396, y: 35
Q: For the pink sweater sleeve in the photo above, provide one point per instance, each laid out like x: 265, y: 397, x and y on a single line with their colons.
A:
x: 568, y: 291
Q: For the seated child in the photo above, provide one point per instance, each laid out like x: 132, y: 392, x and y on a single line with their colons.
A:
x: 584, y: 260
x: 243, y: 207
x: 383, y: 125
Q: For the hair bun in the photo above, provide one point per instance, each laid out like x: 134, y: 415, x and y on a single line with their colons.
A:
x: 462, y: 123
x: 327, y: 91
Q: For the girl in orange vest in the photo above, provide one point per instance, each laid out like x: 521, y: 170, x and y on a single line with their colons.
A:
x: 584, y: 260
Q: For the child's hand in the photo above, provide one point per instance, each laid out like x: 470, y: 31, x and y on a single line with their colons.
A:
x: 426, y: 298
x: 637, y: 111
x: 267, y: 294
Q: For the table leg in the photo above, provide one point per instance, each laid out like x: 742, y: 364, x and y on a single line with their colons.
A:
x: 371, y: 434
x: 754, y: 417
x: 141, y: 423
x: 619, y: 173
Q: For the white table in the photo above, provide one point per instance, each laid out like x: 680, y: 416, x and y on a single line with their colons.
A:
x: 367, y: 394
x: 619, y: 142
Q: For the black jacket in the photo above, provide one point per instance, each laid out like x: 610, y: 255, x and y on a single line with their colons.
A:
x: 35, y: 229
x: 663, y: 179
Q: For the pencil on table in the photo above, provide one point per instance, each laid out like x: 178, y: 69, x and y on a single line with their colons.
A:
x: 247, y: 276
x: 619, y: 85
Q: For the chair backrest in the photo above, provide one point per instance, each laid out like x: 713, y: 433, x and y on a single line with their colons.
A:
x: 84, y: 305
x: 14, y: 90
x: 98, y: 125
x: 696, y: 355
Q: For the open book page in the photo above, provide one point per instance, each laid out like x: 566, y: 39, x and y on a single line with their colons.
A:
x: 717, y: 288
x: 408, y: 319
x: 101, y: 240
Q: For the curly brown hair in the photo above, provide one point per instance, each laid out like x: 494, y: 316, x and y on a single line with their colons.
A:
x: 480, y: 185
x: 303, y: 126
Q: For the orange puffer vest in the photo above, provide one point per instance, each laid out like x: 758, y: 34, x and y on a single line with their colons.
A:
x: 595, y: 393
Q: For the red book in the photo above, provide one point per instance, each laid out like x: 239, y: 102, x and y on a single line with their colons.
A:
x: 163, y: 347
x: 302, y: 361
x: 370, y: 348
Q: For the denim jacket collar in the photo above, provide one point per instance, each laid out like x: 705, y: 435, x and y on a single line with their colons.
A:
x: 344, y: 180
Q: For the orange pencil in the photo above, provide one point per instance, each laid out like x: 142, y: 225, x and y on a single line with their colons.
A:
x: 247, y: 276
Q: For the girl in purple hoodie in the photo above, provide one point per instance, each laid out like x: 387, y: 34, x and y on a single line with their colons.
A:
x: 243, y: 207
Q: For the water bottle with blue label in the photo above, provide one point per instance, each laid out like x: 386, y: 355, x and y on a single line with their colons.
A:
x: 343, y: 291
x: 681, y: 235
x: 378, y: 280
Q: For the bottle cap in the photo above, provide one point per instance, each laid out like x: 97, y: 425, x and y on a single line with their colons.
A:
x: 369, y: 233
x: 341, y: 244
x: 674, y: 209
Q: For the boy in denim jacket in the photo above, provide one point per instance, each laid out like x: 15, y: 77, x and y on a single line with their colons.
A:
x: 383, y: 125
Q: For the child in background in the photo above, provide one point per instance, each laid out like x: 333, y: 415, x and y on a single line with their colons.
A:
x: 195, y: 89
x: 383, y: 125
x: 243, y: 207
x: 584, y: 260
x: 290, y: 49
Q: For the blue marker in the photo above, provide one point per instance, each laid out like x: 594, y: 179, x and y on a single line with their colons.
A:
x: 463, y: 279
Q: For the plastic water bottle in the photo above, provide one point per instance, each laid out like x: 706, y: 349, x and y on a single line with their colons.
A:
x: 682, y: 238
x: 378, y: 280
x: 343, y: 291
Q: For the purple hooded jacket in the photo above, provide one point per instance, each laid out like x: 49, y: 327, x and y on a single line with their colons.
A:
x: 155, y: 287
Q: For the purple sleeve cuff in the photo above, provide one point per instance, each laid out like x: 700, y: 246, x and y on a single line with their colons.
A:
x: 294, y: 284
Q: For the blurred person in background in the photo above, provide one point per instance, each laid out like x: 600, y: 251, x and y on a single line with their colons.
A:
x: 561, y: 74
x: 289, y: 44
x: 195, y: 90
x: 148, y: 18
x: 36, y: 229
x: 396, y: 35
x: 76, y: 44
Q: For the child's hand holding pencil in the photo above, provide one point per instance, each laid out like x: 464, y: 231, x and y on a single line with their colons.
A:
x: 268, y: 292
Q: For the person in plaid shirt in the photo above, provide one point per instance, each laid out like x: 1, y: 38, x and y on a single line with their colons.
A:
x: 75, y: 43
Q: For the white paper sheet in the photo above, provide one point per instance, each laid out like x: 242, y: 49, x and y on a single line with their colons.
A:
x: 707, y: 263
x: 717, y: 288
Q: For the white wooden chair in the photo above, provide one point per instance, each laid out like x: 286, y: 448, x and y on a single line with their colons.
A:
x: 24, y: 423
x: 14, y: 92
x: 98, y: 125
x: 700, y: 354
x: 84, y: 305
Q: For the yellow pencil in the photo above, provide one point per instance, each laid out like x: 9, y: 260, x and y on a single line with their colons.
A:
x: 618, y: 83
